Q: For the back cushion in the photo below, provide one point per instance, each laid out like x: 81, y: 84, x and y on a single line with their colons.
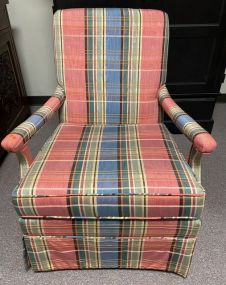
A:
x: 111, y: 62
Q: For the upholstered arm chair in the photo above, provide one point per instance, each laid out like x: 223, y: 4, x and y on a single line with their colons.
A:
x: 110, y: 189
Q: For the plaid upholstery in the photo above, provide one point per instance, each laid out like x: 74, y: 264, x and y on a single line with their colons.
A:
x: 110, y: 171
x: 193, y: 131
x: 111, y: 228
x: 16, y: 140
x: 114, y: 62
x: 54, y: 253
x: 110, y: 188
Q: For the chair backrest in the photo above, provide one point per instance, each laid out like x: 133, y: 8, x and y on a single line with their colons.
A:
x: 111, y: 62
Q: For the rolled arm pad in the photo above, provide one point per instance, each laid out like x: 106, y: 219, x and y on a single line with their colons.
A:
x: 16, y: 140
x: 201, y: 139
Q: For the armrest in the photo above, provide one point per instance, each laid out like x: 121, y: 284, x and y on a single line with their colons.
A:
x: 16, y: 140
x: 202, y: 140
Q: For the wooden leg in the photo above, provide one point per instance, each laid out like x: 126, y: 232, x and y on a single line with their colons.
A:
x: 194, y: 160
x: 25, y: 160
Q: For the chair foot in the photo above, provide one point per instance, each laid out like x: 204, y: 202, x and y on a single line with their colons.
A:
x: 27, y: 263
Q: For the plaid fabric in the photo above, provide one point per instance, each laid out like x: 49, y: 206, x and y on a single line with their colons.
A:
x: 109, y: 189
x: 193, y: 131
x: 110, y: 228
x: 113, y: 63
x: 38, y: 119
x: 16, y: 140
x: 110, y: 171
x: 54, y: 253
x: 184, y: 122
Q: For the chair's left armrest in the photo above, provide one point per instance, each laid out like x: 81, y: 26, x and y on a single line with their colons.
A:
x: 16, y: 140
x: 201, y: 139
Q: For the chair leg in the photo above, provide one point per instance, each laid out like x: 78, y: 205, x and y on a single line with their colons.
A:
x: 63, y: 112
x: 25, y: 160
x: 27, y: 263
x: 194, y: 160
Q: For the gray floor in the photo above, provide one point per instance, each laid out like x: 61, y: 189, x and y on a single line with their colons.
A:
x: 209, y: 261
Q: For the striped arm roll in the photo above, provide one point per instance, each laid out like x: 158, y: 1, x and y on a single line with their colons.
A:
x: 202, y: 140
x: 15, y: 141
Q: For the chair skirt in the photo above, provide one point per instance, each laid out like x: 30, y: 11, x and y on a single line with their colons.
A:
x: 67, y: 243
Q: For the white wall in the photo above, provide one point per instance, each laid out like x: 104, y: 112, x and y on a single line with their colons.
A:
x: 31, y: 21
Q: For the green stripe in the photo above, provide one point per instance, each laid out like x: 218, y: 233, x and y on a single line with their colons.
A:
x: 89, y: 63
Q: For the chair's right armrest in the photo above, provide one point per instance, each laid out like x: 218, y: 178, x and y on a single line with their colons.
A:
x: 201, y: 139
x: 16, y: 140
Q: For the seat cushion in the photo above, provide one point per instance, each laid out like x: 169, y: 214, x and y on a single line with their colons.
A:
x: 107, y: 171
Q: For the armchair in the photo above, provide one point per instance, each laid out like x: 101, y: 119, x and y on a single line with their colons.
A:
x: 110, y: 189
